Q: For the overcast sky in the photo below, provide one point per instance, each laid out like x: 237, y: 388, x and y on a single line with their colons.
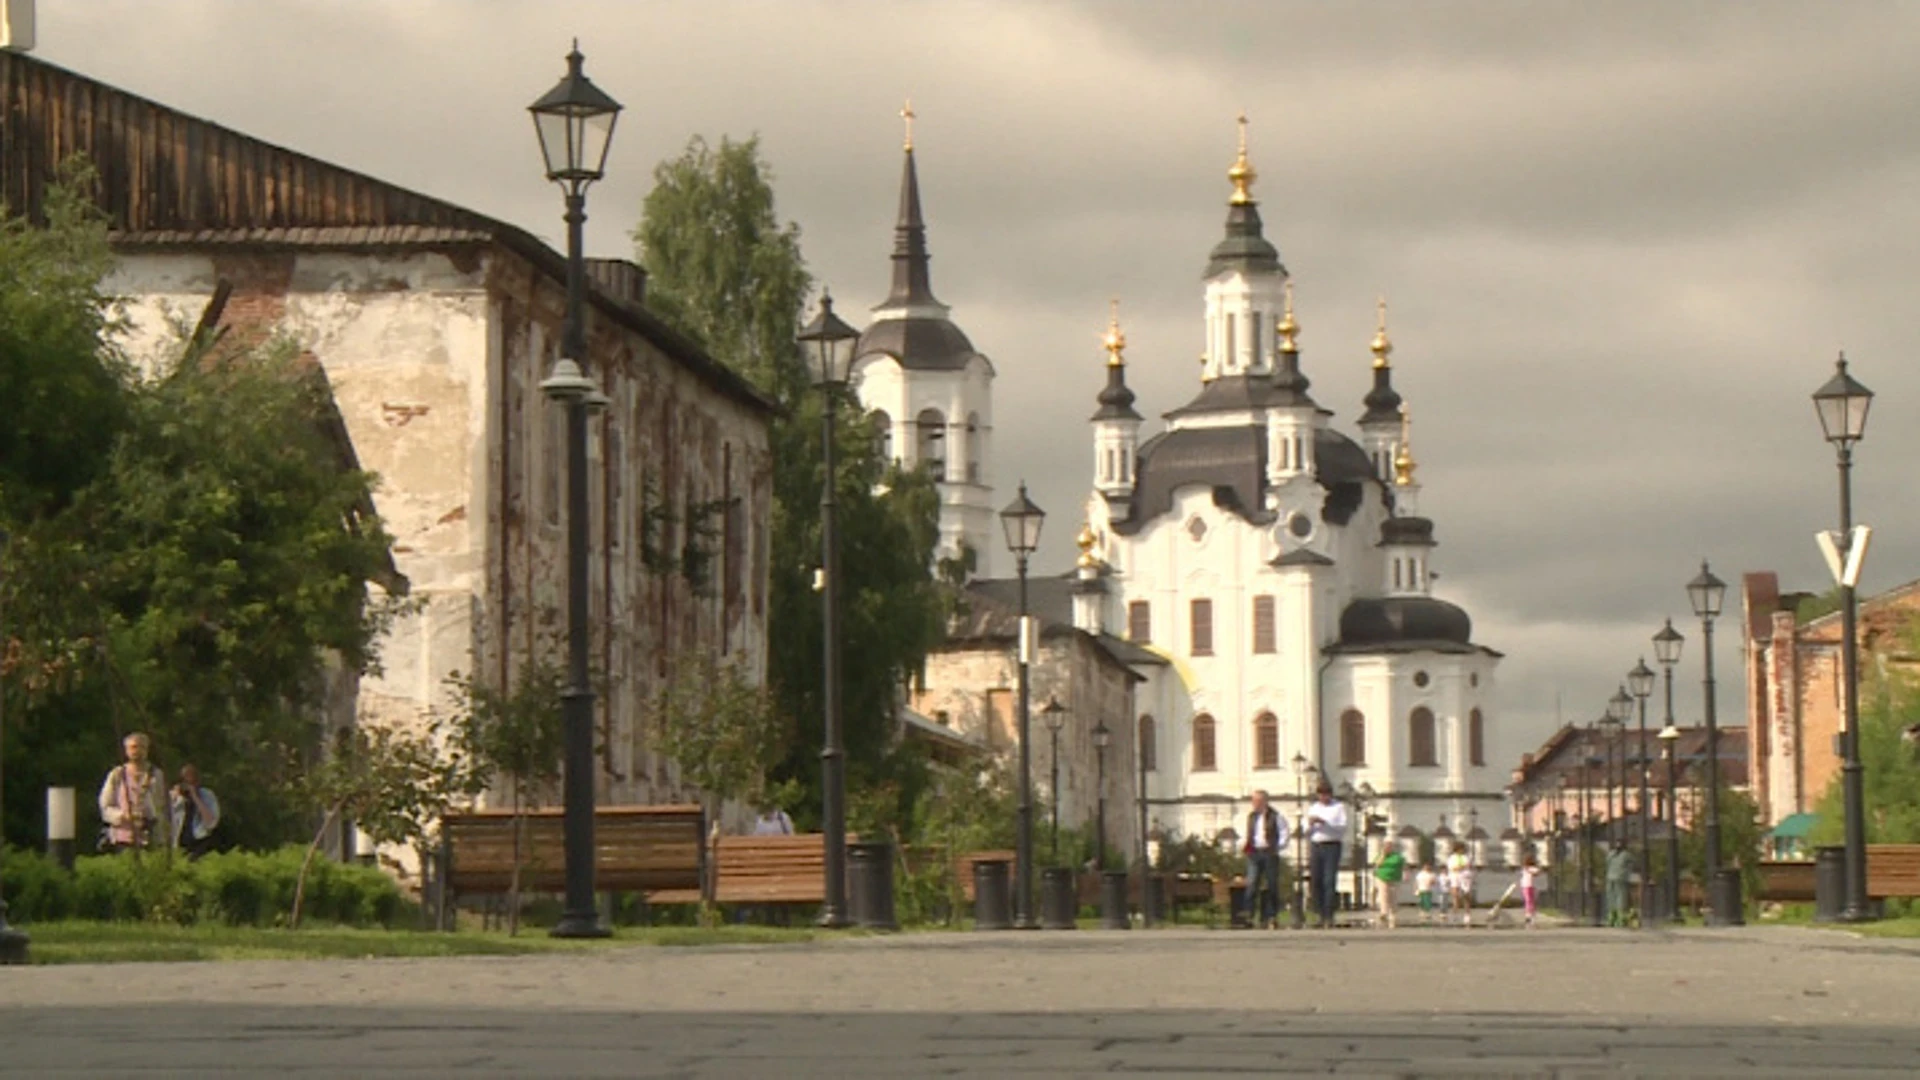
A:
x: 1622, y: 242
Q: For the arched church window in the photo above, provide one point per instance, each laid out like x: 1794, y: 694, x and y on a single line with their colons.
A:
x: 1266, y: 742
x: 931, y: 445
x: 973, y: 448
x: 1476, y: 738
x: 883, y: 433
x: 1149, y: 760
x: 1203, y: 755
x: 1353, y: 737
x: 1422, y: 739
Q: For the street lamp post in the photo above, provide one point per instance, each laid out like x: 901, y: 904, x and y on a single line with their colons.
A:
x: 1102, y: 736
x: 574, y: 122
x: 1055, y: 714
x: 1669, y: 738
x: 1587, y: 901
x: 1640, y: 683
x: 1357, y: 800
x: 1666, y: 651
x: 1707, y: 593
x: 1302, y: 768
x: 1142, y: 748
x: 13, y: 943
x: 828, y: 343
x: 1842, y: 405
x: 1021, y: 520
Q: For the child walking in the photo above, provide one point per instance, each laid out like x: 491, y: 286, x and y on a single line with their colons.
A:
x: 1423, y: 883
x: 1392, y: 867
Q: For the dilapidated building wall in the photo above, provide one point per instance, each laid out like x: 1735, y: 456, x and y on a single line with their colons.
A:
x: 434, y: 326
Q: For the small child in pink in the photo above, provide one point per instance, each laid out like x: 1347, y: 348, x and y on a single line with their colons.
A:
x: 1529, y: 877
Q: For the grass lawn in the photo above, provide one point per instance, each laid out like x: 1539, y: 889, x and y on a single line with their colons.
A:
x: 105, y: 943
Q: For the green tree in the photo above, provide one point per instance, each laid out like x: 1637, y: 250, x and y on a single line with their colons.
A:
x: 189, y: 554
x: 513, y: 735
x: 722, y: 730
x: 1890, y: 782
x: 724, y: 269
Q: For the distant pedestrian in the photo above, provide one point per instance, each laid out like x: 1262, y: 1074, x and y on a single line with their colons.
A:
x: 1619, y: 875
x: 196, y: 813
x: 1326, y: 829
x: 1267, y: 835
x: 772, y: 821
x: 1425, y: 882
x: 1386, y: 875
x: 133, y: 803
x: 1460, y: 882
x: 1530, y: 887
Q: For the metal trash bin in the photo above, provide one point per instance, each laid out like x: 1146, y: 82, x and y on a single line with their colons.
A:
x: 1728, y: 907
x: 1153, y: 898
x: 1113, y: 901
x: 870, y: 877
x: 1829, y: 884
x: 1240, y: 913
x: 1059, y: 899
x: 992, y: 895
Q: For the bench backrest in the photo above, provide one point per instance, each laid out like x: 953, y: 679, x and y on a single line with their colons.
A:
x: 1893, y: 870
x: 635, y: 848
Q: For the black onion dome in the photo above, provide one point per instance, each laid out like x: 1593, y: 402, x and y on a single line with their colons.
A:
x: 1407, y: 532
x: 1244, y: 248
x: 1404, y: 623
x: 1116, y: 399
x: 1233, y: 462
x: 920, y: 344
x: 1383, y: 401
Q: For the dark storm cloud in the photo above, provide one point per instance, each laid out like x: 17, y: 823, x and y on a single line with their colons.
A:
x: 1621, y: 241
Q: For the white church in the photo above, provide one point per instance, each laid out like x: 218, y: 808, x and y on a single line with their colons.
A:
x: 1270, y: 574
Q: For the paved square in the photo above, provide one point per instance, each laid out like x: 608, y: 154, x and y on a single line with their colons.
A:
x: 1570, y: 1003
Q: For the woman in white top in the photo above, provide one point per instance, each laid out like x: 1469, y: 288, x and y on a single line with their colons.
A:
x: 133, y: 799
x: 1460, y: 874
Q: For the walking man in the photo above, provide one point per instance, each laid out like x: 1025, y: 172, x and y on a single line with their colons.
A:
x: 1619, y: 876
x: 1326, y: 827
x: 1267, y: 835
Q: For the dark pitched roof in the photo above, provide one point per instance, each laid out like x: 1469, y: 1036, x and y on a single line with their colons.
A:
x: 992, y: 613
x: 1241, y: 393
x: 919, y: 343
x: 1404, y: 624
x: 1233, y: 462
x: 167, y: 180
x: 1383, y: 401
x: 1116, y: 398
x: 1244, y: 247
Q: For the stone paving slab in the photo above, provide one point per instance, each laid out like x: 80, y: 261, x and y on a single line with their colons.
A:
x: 1762, y: 1002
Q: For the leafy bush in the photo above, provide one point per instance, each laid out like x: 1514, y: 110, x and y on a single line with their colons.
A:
x: 238, y: 888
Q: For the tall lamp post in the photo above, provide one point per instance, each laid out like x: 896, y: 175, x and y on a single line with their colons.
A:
x: 1357, y: 800
x: 1707, y: 593
x: 1055, y: 714
x: 1640, y: 683
x: 574, y: 121
x: 1144, y: 751
x: 13, y: 943
x: 1302, y: 769
x: 1102, y: 737
x: 1842, y: 404
x: 1021, y: 520
x: 1669, y: 750
x: 828, y: 344
x: 1588, y: 905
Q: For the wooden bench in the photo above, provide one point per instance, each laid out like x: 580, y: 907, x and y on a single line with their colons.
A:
x: 636, y: 849
x: 761, y: 870
x: 1893, y: 870
x: 1786, y: 881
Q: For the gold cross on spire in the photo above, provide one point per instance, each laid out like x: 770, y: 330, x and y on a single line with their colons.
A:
x: 1382, y: 348
x: 1242, y: 173
x: 906, y: 114
x: 1114, y: 340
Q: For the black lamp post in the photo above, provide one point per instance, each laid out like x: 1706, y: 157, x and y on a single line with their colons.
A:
x: 1842, y: 404
x: 828, y: 344
x: 1669, y: 749
x: 1021, y: 521
x: 1302, y: 769
x: 574, y: 121
x: 1593, y: 762
x: 1666, y: 652
x: 1640, y: 683
x: 1055, y: 714
x: 1101, y: 738
x: 13, y: 943
x: 1358, y: 800
x: 1707, y: 593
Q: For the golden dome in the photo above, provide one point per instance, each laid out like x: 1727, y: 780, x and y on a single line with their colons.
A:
x: 1403, y: 463
x: 1086, y: 541
x: 1113, y: 340
x: 1286, y: 328
x: 1242, y: 173
x: 1382, y: 348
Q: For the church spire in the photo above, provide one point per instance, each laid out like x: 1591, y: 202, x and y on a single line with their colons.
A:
x: 1288, y: 375
x: 1116, y: 400
x: 1403, y: 463
x: 1242, y: 174
x: 1243, y: 248
x: 1383, y: 401
x: 912, y: 284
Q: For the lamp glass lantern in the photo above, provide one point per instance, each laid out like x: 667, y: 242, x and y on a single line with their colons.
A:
x: 1707, y: 593
x: 1666, y: 645
x: 1842, y: 405
x: 1619, y: 707
x: 828, y: 342
x: 1640, y: 680
x: 574, y: 121
x: 1102, y: 736
x: 1022, y: 520
x: 1055, y: 714
x: 1669, y: 737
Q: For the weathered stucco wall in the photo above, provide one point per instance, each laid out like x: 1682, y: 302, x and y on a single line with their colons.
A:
x: 435, y: 359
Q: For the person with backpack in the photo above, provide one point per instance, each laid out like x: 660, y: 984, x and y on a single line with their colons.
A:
x: 1387, y: 874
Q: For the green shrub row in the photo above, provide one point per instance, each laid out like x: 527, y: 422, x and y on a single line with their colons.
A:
x: 238, y: 888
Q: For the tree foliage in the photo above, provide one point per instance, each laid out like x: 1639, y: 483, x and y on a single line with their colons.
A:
x: 187, y: 555
x: 1890, y: 782
x: 723, y: 268
x: 722, y: 729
